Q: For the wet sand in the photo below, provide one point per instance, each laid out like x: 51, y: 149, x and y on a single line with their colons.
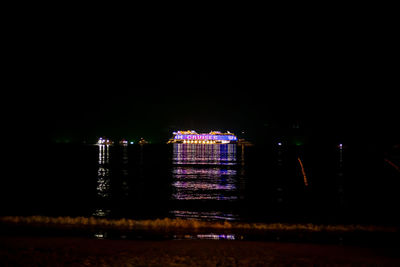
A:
x: 77, y: 251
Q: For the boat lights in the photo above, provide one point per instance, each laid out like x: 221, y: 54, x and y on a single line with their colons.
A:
x: 191, y: 137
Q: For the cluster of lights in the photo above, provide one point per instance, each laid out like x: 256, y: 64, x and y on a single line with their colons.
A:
x: 205, y: 137
x: 185, y: 132
x: 123, y: 142
x: 104, y: 141
x: 214, y: 137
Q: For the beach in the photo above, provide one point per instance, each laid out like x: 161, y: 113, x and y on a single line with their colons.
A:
x: 80, y: 251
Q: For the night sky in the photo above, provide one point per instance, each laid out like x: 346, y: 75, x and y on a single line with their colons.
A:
x: 78, y: 85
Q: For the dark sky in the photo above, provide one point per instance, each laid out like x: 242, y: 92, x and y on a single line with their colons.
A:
x: 79, y: 84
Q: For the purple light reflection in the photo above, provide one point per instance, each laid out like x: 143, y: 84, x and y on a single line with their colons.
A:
x: 217, y: 154
x: 194, y: 183
x: 204, y: 215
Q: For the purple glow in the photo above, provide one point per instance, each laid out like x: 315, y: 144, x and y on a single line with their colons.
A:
x: 205, y: 137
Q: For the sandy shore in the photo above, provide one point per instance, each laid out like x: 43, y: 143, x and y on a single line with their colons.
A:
x: 76, y: 251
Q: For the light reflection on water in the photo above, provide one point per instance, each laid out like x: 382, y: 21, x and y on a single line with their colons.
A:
x: 200, y: 172
x: 210, y: 236
x: 103, y: 187
x: 204, y: 172
x: 216, y: 237
x: 103, y: 182
x: 191, y: 183
x: 208, y: 182
x: 202, y: 215
x: 197, y: 154
x: 204, y: 182
x: 101, y: 212
x: 124, y: 171
x: 104, y: 154
x: 194, y: 180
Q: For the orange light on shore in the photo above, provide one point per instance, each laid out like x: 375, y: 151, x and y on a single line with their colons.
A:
x: 393, y: 165
x: 303, y: 172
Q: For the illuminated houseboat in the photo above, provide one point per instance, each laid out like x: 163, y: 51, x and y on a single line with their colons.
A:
x: 214, y: 137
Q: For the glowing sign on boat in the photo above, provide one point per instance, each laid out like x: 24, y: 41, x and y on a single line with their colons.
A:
x: 205, y: 137
x: 210, y: 138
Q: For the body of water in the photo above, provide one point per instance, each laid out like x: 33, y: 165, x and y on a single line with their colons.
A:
x: 277, y: 183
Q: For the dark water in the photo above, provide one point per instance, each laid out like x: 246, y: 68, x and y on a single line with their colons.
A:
x: 348, y: 184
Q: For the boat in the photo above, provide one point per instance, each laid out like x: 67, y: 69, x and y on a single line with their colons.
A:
x: 142, y: 141
x: 104, y: 141
x: 192, y: 137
